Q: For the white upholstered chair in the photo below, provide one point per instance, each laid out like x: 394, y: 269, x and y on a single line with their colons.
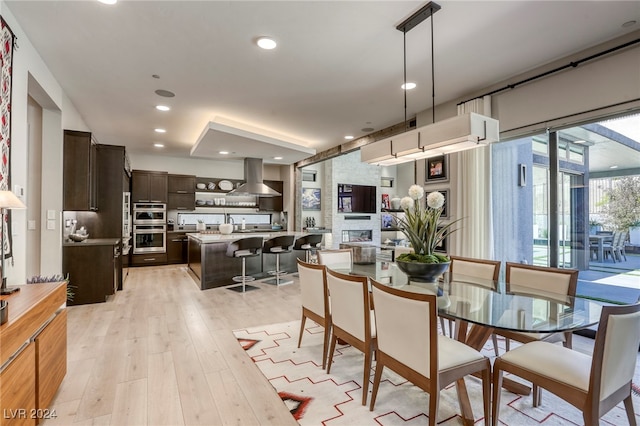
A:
x: 336, y: 259
x: 470, y: 267
x: 352, y: 319
x: 593, y: 384
x: 315, y: 301
x: 409, y: 344
x: 549, y: 282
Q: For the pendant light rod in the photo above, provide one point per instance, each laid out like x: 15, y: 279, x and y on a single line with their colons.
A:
x: 433, y: 73
x: 404, y: 70
x: 414, y: 20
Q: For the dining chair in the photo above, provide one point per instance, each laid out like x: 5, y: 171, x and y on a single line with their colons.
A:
x: 352, y: 319
x: 609, y: 248
x: 410, y: 345
x: 315, y: 301
x: 338, y: 259
x: 620, y: 249
x: 549, y: 282
x: 593, y: 384
x: 471, y: 267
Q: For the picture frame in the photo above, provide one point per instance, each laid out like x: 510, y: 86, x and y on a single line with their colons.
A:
x: 437, y: 169
x: 442, y: 247
x: 311, y: 199
x: 445, y: 209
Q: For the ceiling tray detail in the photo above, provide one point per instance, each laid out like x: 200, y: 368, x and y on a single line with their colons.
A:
x: 244, y: 141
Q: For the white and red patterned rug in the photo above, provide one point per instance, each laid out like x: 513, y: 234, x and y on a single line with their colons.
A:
x: 317, y: 398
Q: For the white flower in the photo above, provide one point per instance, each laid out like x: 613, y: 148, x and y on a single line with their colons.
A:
x: 416, y: 192
x: 406, y: 203
x: 435, y: 200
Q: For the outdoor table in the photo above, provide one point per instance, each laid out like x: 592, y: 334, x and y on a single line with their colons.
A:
x: 600, y: 240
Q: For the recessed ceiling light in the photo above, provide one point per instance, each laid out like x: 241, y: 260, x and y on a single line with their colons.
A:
x: 348, y: 137
x: 367, y: 129
x: 162, y: 108
x: 158, y: 145
x: 160, y: 130
x: 223, y: 152
x: 629, y: 24
x: 580, y: 142
x: 409, y: 86
x: 613, y: 167
x: 108, y: 1
x: 277, y: 158
x: 266, y: 43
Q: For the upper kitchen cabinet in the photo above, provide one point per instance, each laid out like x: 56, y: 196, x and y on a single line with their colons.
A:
x: 148, y: 186
x: 274, y: 204
x: 182, y: 192
x: 79, y: 172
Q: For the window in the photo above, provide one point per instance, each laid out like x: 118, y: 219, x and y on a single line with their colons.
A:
x: 309, y: 175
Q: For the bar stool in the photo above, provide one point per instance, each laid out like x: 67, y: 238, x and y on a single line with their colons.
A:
x: 308, y: 243
x: 243, y: 248
x: 278, y: 245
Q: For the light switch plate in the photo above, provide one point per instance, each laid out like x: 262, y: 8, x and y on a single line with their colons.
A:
x: 51, y: 224
x: 51, y: 214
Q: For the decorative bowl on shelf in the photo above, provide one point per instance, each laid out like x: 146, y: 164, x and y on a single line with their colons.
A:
x: 78, y: 237
x: 225, y: 228
x: 201, y: 186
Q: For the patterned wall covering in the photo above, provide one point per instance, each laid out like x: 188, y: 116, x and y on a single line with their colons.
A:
x: 6, y: 65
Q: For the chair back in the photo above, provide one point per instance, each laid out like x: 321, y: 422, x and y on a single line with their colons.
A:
x: 350, y: 306
x: 558, y: 281
x: 245, y: 247
x: 406, y: 327
x: 615, y: 350
x: 338, y: 259
x: 313, y: 288
x: 622, y: 238
x: 279, y: 244
x: 307, y: 242
x: 478, y: 268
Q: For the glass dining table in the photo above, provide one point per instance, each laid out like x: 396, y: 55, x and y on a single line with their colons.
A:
x: 480, y: 306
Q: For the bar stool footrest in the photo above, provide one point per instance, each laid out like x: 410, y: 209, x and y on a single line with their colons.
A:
x: 245, y: 278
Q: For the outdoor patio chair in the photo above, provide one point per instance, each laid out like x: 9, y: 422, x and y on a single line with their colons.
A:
x: 619, y: 248
x: 609, y: 247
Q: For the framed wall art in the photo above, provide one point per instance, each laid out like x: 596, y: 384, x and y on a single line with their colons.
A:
x: 445, y: 209
x: 311, y: 199
x: 437, y: 169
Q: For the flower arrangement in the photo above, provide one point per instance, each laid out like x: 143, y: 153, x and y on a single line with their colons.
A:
x: 422, y: 226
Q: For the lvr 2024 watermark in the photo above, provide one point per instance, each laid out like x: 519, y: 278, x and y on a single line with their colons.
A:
x: 31, y: 413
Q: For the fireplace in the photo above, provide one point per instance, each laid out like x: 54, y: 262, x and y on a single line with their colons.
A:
x: 353, y: 236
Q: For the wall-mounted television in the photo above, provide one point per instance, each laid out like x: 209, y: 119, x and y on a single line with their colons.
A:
x: 357, y: 198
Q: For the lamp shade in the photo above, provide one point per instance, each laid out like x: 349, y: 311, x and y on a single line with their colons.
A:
x: 8, y: 200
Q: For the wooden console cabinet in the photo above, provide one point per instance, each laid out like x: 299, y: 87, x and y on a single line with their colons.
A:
x: 33, y: 354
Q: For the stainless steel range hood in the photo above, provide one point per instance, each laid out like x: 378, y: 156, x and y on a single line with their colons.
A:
x: 253, y: 179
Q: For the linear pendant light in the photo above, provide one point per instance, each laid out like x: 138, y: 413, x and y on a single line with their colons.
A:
x: 465, y: 131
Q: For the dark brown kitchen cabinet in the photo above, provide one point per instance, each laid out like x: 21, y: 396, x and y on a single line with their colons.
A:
x: 274, y: 204
x: 79, y: 172
x: 93, y: 269
x: 149, y: 186
x: 182, y: 192
x: 177, y: 247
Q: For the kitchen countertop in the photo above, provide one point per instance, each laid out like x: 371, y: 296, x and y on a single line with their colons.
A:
x: 93, y: 242
x: 220, y: 238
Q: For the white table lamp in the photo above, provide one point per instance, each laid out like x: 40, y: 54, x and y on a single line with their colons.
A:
x: 8, y: 201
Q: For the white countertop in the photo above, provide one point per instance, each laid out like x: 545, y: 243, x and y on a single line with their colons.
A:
x: 221, y: 238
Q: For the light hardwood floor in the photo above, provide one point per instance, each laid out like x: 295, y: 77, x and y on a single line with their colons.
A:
x: 162, y: 352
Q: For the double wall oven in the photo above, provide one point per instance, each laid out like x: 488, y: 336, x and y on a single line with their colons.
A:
x: 149, y: 228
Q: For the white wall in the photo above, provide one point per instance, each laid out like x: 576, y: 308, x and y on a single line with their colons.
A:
x: 31, y: 76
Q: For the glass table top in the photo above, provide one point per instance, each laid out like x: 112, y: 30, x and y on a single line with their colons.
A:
x: 492, y: 303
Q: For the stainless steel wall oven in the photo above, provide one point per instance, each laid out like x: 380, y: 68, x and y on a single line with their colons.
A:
x: 149, y: 228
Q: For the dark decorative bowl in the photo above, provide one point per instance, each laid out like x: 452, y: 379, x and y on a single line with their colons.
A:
x: 423, y: 272
x: 4, y: 311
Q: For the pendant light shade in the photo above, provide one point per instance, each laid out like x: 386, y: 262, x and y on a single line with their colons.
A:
x: 466, y: 131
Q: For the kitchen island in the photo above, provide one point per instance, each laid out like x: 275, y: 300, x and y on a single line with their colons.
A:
x: 210, y: 267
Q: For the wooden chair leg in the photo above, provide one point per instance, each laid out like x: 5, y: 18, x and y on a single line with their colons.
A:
x: 302, y: 322
x: 537, y: 395
x: 366, y: 375
x: 434, y: 399
x: 334, y: 340
x: 494, y: 338
x: 486, y: 393
x: 325, y: 344
x: 376, y: 384
x: 628, y: 405
x: 497, y: 391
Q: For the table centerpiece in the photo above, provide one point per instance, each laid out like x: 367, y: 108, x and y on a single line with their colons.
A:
x: 421, y: 225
